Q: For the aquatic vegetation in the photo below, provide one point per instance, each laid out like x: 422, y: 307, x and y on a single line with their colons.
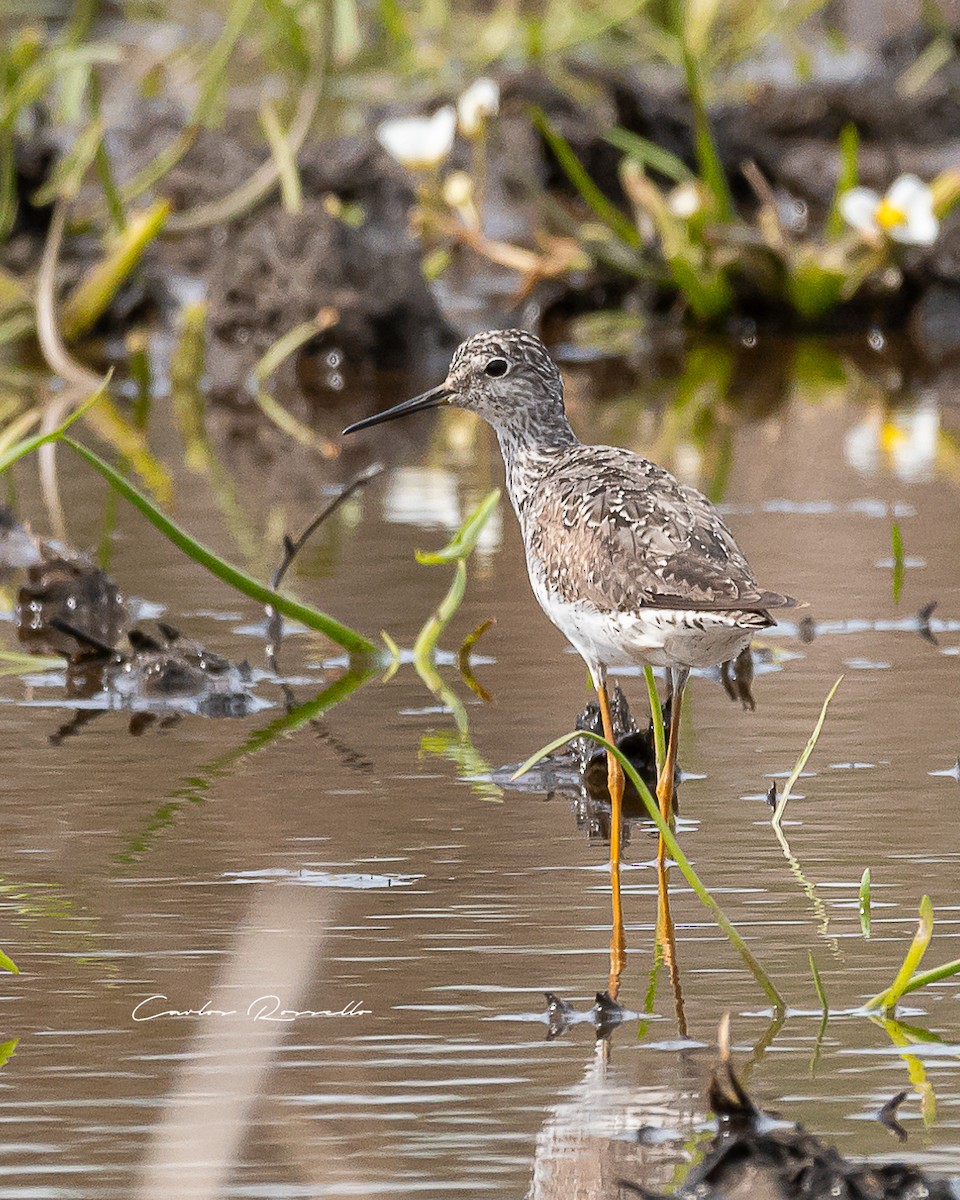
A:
x: 864, y: 902
x: 896, y: 545
x: 801, y: 762
x: 459, y: 748
x: 457, y: 551
x: 342, y: 635
x: 673, y: 847
x: 909, y: 978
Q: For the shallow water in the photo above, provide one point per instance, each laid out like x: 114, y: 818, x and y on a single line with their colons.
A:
x: 360, y: 862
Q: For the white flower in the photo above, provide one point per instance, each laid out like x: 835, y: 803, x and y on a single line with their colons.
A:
x: 420, y: 143
x: 480, y: 101
x: 904, y: 214
x: 685, y: 201
x: 905, y: 441
x: 458, y: 189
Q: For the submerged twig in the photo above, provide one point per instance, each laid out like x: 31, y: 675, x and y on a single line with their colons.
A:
x: 293, y: 546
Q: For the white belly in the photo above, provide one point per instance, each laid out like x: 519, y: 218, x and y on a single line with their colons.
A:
x: 656, y: 637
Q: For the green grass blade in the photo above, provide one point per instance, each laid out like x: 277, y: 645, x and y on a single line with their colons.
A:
x: 351, y: 641
x: 290, y: 189
x: 918, y: 947
x: 802, y: 760
x: 462, y: 544
x: 68, y: 174
x: 92, y: 295
x: 849, y: 149
x: 865, y: 902
x: 7, y: 964
x: 608, y: 212
x: 673, y: 847
x: 656, y: 712
x: 896, y: 545
x: 934, y: 975
x: 649, y: 154
x: 711, y: 168
x: 818, y: 984
x: 21, y: 449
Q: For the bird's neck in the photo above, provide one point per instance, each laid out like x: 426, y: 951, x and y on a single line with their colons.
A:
x: 529, y: 450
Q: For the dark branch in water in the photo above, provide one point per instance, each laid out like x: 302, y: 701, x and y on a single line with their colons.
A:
x: 923, y: 623
x: 293, y: 546
x: 887, y: 1116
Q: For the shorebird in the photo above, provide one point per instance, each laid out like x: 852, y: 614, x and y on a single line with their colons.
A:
x: 631, y: 565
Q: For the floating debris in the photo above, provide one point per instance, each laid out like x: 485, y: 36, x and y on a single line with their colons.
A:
x: 158, y: 672
x: 754, y: 1154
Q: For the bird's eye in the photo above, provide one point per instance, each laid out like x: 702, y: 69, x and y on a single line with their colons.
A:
x: 496, y: 367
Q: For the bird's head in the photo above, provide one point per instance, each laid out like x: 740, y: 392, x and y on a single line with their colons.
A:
x: 505, y: 376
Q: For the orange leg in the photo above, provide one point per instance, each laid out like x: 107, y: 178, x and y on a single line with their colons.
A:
x: 668, y: 944
x: 665, y: 783
x: 618, y: 941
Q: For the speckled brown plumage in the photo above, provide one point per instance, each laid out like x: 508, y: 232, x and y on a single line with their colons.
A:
x: 617, y: 531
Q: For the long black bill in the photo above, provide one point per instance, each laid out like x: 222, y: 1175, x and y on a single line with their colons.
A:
x: 432, y: 399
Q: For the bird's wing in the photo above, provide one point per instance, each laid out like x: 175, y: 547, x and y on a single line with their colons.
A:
x: 620, y: 532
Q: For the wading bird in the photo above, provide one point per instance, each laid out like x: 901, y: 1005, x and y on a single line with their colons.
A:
x: 630, y: 564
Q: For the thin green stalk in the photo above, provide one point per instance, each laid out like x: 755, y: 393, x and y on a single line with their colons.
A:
x: 656, y: 713
x: 92, y: 295
x: 864, y: 905
x: 818, y: 984
x: 286, y: 162
x: 934, y: 975
x: 649, y: 155
x: 711, y: 168
x: 802, y: 760
x: 426, y: 643
x: 673, y: 847
x: 252, y: 190
x: 849, y: 150
x: 28, y: 445
x: 351, y: 641
x: 102, y: 161
x: 457, y: 550
x: 896, y: 545
x: 608, y: 212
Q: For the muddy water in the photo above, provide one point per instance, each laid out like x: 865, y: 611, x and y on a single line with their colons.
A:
x: 360, y: 864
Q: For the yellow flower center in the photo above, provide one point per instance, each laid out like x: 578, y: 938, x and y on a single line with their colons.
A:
x: 888, y: 216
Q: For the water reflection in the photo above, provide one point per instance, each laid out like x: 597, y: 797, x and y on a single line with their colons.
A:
x: 152, y: 864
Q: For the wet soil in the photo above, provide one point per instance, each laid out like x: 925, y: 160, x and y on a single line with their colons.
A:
x: 352, y: 249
